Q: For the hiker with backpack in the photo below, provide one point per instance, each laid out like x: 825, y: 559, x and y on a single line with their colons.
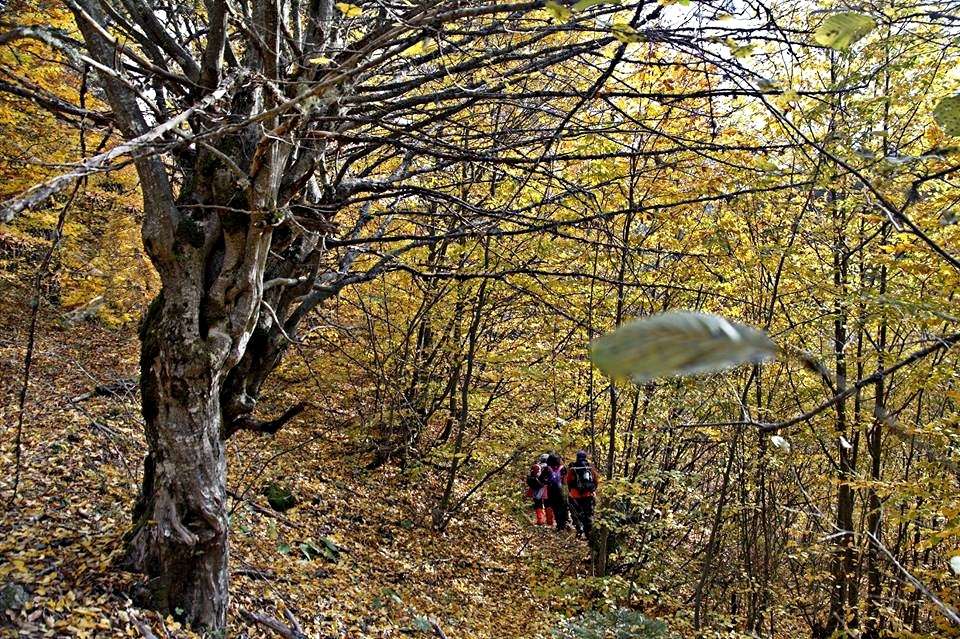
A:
x: 581, y: 479
x: 555, y: 474
x: 537, y: 490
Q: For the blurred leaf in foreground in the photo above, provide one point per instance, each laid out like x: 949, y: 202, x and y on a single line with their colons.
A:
x: 947, y: 114
x: 678, y: 343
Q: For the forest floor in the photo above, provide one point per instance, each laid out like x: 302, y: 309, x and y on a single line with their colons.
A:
x: 356, y: 557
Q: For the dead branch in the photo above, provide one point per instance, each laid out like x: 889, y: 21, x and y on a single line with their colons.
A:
x: 142, y: 627
x: 115, y: 388
x: 270, y: 427
x: 437, y: 629
x: 948, y: 612
x: 293, y: 631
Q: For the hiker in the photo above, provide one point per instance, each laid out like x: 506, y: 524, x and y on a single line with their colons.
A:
x: 581, y: 479
x: 555, y: 473
x: 537, y: 490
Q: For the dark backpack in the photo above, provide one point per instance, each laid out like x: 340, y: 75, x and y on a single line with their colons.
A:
x: 583, y: 478
x: 534, y: 482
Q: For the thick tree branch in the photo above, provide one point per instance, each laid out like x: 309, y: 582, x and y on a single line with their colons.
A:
x: 269, y: 427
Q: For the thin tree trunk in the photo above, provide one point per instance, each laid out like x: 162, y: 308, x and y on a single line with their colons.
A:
x: 713, y: 541
x: 875, y: 437
x: 874, y: 518
x: 842, y: 589
x: 442, y: 514
x: 618, y: 319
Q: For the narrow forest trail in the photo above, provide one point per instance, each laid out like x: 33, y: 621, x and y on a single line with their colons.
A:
x: 355, y: 557
x: 482, y: 577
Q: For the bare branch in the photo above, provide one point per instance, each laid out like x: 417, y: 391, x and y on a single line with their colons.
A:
x: 140, y: 146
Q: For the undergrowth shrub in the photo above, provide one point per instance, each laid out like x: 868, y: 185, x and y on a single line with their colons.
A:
x: 620, y: 623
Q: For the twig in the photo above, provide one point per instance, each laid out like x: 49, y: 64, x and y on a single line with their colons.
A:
x: 254, y: 573
x: 940, y: 343
x: 526, y: 543
x: 42, y: 272
x: 115, y: 388
x: 437, y: 629
x: 142, y: 627
x: 948, y: 612
x: 448, y: 516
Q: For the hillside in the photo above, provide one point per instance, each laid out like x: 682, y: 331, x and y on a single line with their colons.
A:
x: 489, y: 574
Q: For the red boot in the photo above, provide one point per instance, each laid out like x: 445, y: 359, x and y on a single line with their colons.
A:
x: 541, y: 517
x: 549, y: 515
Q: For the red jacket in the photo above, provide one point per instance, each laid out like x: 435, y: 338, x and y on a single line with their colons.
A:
x: 536, y: 488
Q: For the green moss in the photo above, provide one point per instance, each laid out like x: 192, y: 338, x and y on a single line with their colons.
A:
x: 619, y: 623
x: 279, y: 497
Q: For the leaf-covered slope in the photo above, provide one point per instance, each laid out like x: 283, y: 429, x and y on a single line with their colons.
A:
x: 354, y: 558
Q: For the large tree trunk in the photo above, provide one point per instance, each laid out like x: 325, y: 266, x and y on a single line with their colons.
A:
x: 193, y: 335
x: 179, y: 539
x: 210, y: 260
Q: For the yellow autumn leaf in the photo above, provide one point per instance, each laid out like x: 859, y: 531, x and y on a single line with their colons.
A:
x: 349, y: 10
x: 418, y: 48
x: 625, y: 33
x: 559, y: 12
